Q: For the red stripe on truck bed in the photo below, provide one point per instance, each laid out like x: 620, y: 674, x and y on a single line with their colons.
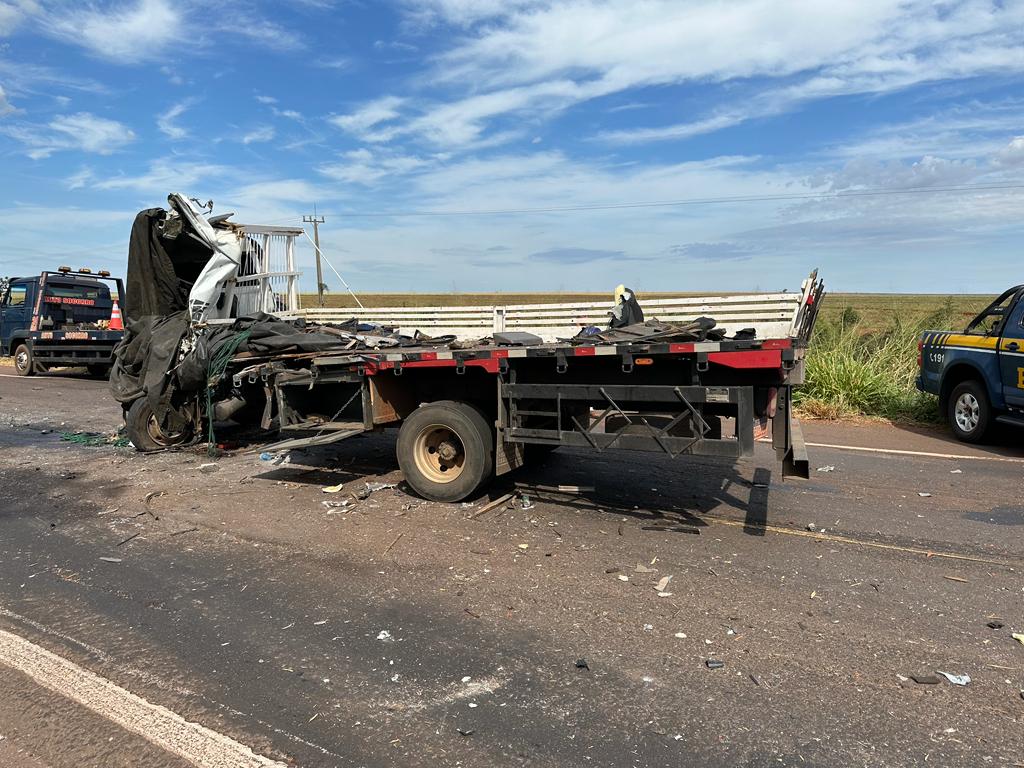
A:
x: 755, y: 358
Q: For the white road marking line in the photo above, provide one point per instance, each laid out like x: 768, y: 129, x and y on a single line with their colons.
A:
x: 917, y: 453
x: 166, y: 729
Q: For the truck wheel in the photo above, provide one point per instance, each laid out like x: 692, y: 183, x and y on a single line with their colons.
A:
x: 144, y: 430
x: 24, y: 364
x: 969, y: 412
x: 446, y: 450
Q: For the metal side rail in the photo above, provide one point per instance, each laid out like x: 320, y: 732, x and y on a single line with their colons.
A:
x: 325, y: 438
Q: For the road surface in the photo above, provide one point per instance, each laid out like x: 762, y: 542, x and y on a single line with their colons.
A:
x: 154, y: 612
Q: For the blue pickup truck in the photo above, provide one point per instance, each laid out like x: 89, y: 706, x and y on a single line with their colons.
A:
x: 978, y: 373
x: 60, y: 318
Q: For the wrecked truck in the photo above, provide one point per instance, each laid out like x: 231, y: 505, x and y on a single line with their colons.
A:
x: 465, y: 410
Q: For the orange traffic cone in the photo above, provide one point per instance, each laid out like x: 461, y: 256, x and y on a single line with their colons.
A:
x: 116, y: 324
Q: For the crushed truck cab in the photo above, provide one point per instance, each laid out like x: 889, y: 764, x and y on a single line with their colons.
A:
x: 978, y: 374
x: 60, y: 318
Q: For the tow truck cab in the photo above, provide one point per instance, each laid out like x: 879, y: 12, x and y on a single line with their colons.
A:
x: 59, y: 318
x: 978, y: 374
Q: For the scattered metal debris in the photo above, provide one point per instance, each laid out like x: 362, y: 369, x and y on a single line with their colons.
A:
x: 714, y: 664
x: 955, y: 679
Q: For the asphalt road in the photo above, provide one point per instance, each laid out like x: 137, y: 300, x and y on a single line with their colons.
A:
x: 154, y: 612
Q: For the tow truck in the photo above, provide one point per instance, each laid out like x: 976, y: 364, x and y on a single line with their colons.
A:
x: 60, y: 318
x: 978, y: 373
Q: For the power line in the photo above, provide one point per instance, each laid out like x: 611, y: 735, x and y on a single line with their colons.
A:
x: 692, y: 201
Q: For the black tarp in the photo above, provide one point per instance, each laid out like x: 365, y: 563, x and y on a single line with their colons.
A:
x: 161, y: 269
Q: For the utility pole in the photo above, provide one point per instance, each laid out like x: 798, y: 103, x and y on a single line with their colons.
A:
x: 316, y: 221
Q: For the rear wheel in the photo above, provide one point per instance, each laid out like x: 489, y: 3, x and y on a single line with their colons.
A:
x: 446, y: 450
x: 144, y: 430
x: 969, y: 411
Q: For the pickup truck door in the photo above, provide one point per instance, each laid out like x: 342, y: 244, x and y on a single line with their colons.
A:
x: 15, y: 312
x: 1011, y: 355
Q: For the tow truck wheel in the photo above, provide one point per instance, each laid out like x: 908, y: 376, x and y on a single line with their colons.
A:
x: 24, y: 365
x: 446, y: 450
x: 970, y: 414
x: 144, y: 430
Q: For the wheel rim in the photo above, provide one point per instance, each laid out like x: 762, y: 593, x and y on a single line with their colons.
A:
x: 967, y: 412
x: 160, y: 437
x: 439, y: 453
x: 21, y: 360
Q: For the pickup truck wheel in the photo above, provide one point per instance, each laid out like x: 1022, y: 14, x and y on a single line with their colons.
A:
x: 144, y: 431
x: 970, y: 414
x: 24, y: 364
x: 446, y: 450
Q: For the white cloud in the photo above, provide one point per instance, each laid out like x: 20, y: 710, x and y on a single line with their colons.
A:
x: 81, y: 131
x: 264, y: 32
x: 265, y: 99
x: 258, y: 135
x: 126, y: 33
x: 464, y: 12
x: 290, y: 114
x: 365, y: 122
x: 12, y: 14
x: 167, y: 175
x: 361, y: 166
x: 167, y: 121
x: 533, y: 56
x: 80, y: 179
x: 6, y: 108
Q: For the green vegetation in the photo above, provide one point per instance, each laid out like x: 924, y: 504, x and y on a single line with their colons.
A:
x: 863, y: 356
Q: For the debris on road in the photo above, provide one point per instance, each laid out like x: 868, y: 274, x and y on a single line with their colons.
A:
x: 525, y: 503
x: 827, y: 469
x: 623, y: 577
x: 385, y: 636
x: 923, y: 494
x: 1019, y: 637
x: 714, y: 664
x: 111, y: 559
x: 641, y: 568
x: 492, y: 505
x: 956, y: 578
x: 369, y: 488
x: 582, y: 664
x: 955, y: 679
x: 208, y: 468
x: 681, y: 635
x: 926, y: 679
x: 995, y: 625
x: 392, y: 544
x: 333, y: 488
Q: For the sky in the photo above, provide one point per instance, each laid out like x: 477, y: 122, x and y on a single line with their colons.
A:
x: 516, y: 145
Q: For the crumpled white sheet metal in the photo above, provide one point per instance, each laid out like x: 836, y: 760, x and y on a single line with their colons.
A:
x: 219, y: 274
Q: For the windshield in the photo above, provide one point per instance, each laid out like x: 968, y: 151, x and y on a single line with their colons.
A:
x: 76, y: 293
x: 989, y: 322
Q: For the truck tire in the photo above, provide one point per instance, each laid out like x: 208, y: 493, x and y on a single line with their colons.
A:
x: 446, y: 450
x: 969, y: 411
x: 144, y: 431
x: 24, y: 360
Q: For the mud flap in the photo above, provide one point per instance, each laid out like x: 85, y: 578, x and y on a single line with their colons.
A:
x: 795, y: 463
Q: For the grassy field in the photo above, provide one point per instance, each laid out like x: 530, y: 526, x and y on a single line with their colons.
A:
x: 863, y: 357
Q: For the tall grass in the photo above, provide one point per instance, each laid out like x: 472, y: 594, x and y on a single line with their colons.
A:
x: 853, y: 370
